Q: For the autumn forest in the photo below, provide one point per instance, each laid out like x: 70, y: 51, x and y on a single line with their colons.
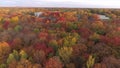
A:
x: 59, y: 38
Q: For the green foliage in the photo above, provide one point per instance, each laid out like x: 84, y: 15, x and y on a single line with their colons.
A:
x: 13, y: 56
x: 3, y: 66
x: 16, y: 54
x: 17, y: 28
x: 71, y: 26
x: 101, y: 31
x: 62, y: 34
x: 10, y: 58
x: 55, y: 25
x: 36, y: 30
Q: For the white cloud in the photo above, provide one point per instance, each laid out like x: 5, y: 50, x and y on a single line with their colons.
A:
x: 62, y: 3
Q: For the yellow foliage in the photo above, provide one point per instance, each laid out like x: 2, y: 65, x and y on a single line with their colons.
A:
x: 65, y: 53
x: 95, y: 37
x: 90, y: 62
x: 0, y: 18
x: 15, y: 19
x: 69, y: 41
x: 23, y: 54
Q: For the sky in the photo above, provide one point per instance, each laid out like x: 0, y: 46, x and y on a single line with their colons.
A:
x: 61, y: 3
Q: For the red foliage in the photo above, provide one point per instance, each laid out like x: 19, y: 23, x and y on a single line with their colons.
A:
x: 43, y: 35
x: 10, y: 43
x: 38, y: 19
x: 105, y: 39
x: 15, y: 43
x: 49, y: 50
x: 84, y: 32
x: 40, y: 46
x: 61, y: 19
x: 95, y: 17
x: 116, y: 41
x: 79, y: 49
x: 86, y: 55
x: 43, y: 47
x: 5, y: 25
x: 54, y: 62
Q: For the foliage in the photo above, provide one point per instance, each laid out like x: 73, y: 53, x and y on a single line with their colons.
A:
x: 54, y: 44
x: 15, y: 56
x: 84, y: 32
x: 3, y: 66
x: 10, y: 58
x: 101, y: 50
x: 73, y: 35
x: 65, y: 53
x: 43, y: 35
x: 18, y: 28
x: 71, y: 26
x: 54, y: 62
x: 16, y: 43
x: 69, y: 40
x: 111, y: 62
x: 23, y: 54
x: 90, y: 62
x: 4, y: 51
x: 39, y: 56
x: 15, y: 19
x: 95, y: 37
x: 98, y: 27
x: 99, y: 65
x: 24, y: 64
x: 43, y: 47
x: 70, y: 65
x: 79, y: 49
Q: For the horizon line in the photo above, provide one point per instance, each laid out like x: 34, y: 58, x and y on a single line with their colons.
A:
x: 58, y: 7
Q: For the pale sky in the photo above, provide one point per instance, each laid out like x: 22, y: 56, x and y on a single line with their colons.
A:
x: 61, y: 3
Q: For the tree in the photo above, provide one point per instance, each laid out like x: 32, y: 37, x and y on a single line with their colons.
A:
x: 4, y: 51
x: 23, y: 63
x: 39, y: 56
x: 23, y: 54
x: 79, y: 49
x: 54, y: 62
x: 65, y: 53
x: 15, y: 19
x: 95, y: 37
x: 111, y: 62
x: 54, y: 44
x: 90, y: 62
x: 13, y: 57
